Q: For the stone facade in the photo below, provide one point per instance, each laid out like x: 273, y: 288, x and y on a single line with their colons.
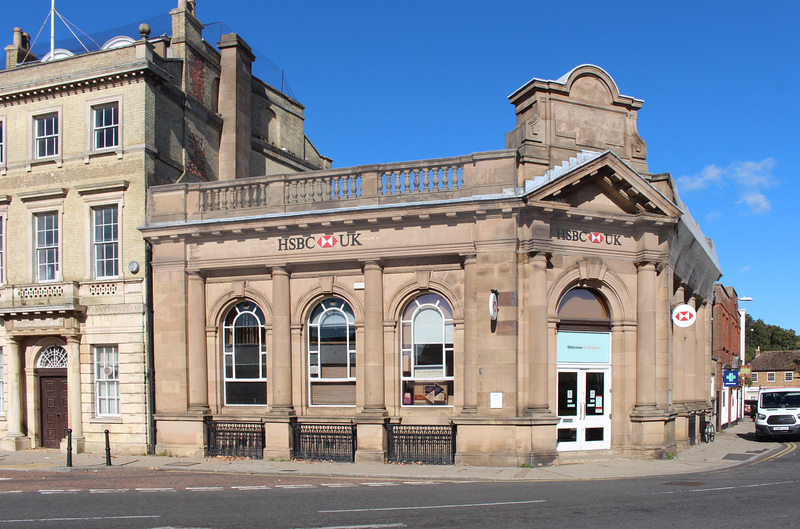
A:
x: 86, y: 136
x: 523, y: 295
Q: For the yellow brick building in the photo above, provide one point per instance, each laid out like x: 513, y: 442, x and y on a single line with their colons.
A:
x: 82, y: 138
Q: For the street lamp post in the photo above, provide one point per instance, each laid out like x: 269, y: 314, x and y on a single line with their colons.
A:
x: 742, y: 328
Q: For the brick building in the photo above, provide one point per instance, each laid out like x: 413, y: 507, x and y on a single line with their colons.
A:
x: 725, y: 354
x: 775, y: 369
x: 82, y: 138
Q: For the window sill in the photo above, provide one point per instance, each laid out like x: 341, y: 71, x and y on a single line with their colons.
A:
x: 57, y: 159
x: 112, y: 419
x: 87, y: 156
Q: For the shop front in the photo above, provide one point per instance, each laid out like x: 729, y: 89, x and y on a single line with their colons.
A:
x: 508, y: 306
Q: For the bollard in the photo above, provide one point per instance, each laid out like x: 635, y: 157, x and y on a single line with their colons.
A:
x: 108, y: 451
x: 69, y: 447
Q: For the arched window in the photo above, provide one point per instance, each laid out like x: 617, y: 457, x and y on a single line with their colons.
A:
x: 332, y: 354
x: 54, y: 356
x: 427, y: 352
x: 582, y: 309
x: 245, y: 351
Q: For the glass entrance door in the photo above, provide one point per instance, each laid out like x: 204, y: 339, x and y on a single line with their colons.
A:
x: 583, y: 408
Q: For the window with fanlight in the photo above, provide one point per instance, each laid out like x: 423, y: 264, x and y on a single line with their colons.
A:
x: 332, y: 354
x: 245, y: 355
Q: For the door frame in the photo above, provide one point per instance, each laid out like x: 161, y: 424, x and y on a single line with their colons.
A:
x: 41, y: 375
x: 581, y: 421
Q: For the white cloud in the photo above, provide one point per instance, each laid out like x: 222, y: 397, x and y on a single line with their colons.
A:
x: 745, y: 268
x: 749, y: 179
x: 757, y: 202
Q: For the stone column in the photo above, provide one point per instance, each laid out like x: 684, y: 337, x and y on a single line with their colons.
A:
x: 196, y: 343
x: 75, y: 418
x: 14, y: 397
x: 703, y: 360
x: 538, y: 350
x: 374, y: 376
x: 646, y: 337
x: 678, y: 356
x: 690, y: 353
x: 281, y: 380
x: 470, y: 336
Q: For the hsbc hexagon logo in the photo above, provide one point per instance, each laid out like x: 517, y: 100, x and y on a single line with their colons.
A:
x: 684, y: 315
x: 326, y: 241
x: 596, y: 237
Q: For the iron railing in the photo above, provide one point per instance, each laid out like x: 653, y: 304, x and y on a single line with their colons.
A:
x: 324, y: 442
x: 431, y: 445
x: 238, y: 439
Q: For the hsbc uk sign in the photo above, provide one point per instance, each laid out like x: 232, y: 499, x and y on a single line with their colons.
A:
x: 595, y: 237
x: 318, y: 241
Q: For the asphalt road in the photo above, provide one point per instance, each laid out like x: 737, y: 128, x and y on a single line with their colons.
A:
x: 748, y: 495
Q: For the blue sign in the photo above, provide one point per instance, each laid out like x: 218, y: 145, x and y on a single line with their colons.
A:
x: 582, y: 347
x: 730, y: 379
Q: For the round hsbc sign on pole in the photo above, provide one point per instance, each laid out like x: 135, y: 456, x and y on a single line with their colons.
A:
x: 683, y: 315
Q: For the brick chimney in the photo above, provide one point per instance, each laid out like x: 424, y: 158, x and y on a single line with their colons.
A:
x: 19, y: 50
x: 235, y: 94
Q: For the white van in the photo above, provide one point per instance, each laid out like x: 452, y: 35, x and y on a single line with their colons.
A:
x: 778, y: 412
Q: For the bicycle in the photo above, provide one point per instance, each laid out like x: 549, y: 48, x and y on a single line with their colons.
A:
x: 709, y: 432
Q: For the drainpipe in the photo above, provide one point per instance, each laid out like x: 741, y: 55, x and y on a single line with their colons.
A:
x: 151, y: 369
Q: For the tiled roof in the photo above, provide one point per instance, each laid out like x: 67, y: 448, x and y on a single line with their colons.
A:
x: 777, y: 361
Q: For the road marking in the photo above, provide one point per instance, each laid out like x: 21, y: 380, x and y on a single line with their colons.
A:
x: 251, y: 487
x: 380, y: 484
x: 370, y: 526
x: 203, y: 489
x: 715, y: 489
x: 29, y: 520
x: 165, y: 489
x: 435, y: 506
x: 56, y: 491
x: 419, y: 483
x: 107, y: 491
x: 300, y: 486
x: 11, y: 492
x: 338, y: 485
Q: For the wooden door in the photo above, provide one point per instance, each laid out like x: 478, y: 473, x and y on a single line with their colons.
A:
x: 53, y: 406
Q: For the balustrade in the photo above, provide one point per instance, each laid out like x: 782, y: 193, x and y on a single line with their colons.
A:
x: 235, y: 196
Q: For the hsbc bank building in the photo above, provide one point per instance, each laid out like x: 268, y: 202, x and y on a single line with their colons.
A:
x: 505, y: 307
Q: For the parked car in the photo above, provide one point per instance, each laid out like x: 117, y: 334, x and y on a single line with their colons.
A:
x: 778, y: 412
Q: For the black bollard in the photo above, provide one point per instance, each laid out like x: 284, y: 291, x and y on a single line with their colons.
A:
x: 69, y: 447
x: 108, y: 451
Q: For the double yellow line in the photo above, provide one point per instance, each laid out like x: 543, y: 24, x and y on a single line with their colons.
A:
x: 785, y: 450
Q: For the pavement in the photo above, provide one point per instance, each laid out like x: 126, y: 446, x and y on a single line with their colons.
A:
x: 733, y: 446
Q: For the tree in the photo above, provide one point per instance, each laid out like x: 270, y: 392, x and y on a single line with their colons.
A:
x: 764, y: 337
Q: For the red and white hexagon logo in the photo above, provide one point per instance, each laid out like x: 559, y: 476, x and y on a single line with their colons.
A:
x: 326, y: 241
x: 683, y: 315
x: 596, y: 237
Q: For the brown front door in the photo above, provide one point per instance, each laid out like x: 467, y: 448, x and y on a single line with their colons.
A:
x: 53, y: 405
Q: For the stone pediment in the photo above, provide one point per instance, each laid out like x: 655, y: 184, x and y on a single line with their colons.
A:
x: 600, y: 183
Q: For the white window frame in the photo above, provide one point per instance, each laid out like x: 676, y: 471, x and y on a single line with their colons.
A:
x: 229, y: 364
x: 771, y: 376
x: 106, y: 380
x: 755, y: 377
x: 49, y: 138
x: 37, y: 202
x: 409, y: 372
x: 100, y: 195
x: 46, y: 247
x: 92, y: 107
x: 788, y: 376
x: 330, y: 305
x: 101, y: 244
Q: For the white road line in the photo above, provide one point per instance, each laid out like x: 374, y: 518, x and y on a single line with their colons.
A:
x: 715, y: 489
x: 251, y: 487
x: 419, y: 483
x: 11, y: 492
x: 70, y: 491
x: 107, y: 491
x: 435, y: 506
x: 338, y: 485
x: 202, y: 489
x: 370, y: 526
x: 165, y: 489
x: 380, y: 484
x: 300, y: 486
x: 29, y: 520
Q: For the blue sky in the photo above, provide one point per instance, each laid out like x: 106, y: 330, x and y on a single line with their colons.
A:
x: 390, y: 81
